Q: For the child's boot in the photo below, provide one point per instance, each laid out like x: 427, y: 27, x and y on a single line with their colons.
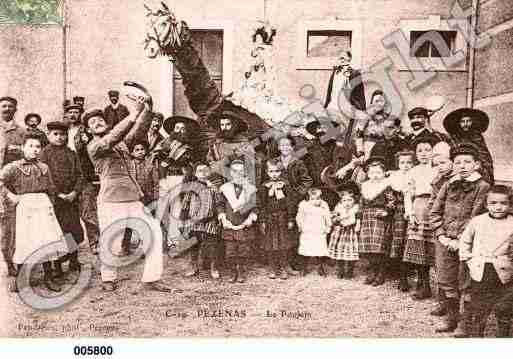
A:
x: 503, y: 328
x: 58, y: 273
x: 371, y: 275
x: 349, y: 270
x: 283, y: 266
x: 380, y: 277
x: 340, y: 269
x: 48, y: 278
x: 242, y: 273
x: 423, y: 289
x: 464, y: 328
x: 234, y: 273
x: 74, y: 264
x: 441, y: 308
x: 11, y: 269
x: 273, y: 266
x: 194, y: 270
x: 403, y: 278
x: 321, y: 271
x: 304, y: 269
x: 214, y: 273
x: 451, y: 320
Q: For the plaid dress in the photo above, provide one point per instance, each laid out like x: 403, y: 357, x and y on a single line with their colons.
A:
x: 399, y: 183
x: 344, y: 239
x: 378, y: 209
x: 420, y: 248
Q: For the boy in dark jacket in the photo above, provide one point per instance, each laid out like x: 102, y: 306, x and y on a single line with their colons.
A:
x: 68, y: 180
x: 459, y: 200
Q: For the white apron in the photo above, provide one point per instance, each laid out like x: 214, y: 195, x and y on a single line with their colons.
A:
x: 36, y: 227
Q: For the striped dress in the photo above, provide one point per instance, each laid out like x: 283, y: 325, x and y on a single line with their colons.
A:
x: 344, y: 238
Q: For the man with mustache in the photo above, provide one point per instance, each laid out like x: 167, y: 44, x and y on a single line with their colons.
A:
x: 231, y: 141
x: 421, y: 126
x: 467, y: 125
x: 11, y: 140
x: 154, y: 135
x: 115, y: 111
x: 120, y: 194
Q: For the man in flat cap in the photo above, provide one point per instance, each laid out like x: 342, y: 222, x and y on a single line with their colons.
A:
x: 11, y: 140
x: 154, y: 135
x: 421, y: 125
x: 79, y: 100
x: 120, y: 194
x: 115, y: 112
x: 32, y: 121
x: 78, y: 139
x: 467, y: 125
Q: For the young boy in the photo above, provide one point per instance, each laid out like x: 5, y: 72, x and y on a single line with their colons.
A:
x: 68, y: 180
x: 238, y: 213
x: 204, y: 198
x: 460, y: 199
x: 486, y: 248
x: 443, y: 166
x: 28, y: 185
x: 147, y: 177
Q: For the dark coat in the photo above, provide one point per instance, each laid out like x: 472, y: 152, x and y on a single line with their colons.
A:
x: 356, y: 94
x: 457, y: 202
x: 114, y: 116
x: 389, y: 148
x: 299, y: 181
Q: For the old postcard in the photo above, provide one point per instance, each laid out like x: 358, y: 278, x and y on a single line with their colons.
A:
x: 256, y: 168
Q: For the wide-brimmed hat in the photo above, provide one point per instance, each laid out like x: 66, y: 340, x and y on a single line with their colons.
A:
x: 480, y: 120
x: 170, y: 122
x: 29, y: 115
x: 312, y: 126
x: 237, y: 121
x: 10, y: 99
x: 465, y: 149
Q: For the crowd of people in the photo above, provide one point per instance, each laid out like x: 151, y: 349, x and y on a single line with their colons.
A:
x: 403, y: 202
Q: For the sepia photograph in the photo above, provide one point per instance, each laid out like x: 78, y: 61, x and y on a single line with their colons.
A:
x: 256, y: 169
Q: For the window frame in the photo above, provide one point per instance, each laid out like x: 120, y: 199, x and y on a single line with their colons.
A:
x: 303, y: 62
x: 436, y: 64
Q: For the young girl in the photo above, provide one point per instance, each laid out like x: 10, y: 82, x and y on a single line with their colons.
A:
x: 28, y: 184
x: 276, y: 219
x: 399, y: 181
x: 378, y: 202
x: 314, y: 223
x: 343, y: 246
x: 419, y: 249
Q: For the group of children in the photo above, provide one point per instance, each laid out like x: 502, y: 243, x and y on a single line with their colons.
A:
x: 435, y: 210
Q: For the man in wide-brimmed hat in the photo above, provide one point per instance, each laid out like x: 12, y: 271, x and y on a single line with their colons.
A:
x: 154, y: 135
x: 320, y: 153
x: 467, y: 125
x: 231, y: 140
x: 32, y: 121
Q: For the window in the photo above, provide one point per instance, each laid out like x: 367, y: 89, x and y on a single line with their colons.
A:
x: 319, y: 43
x: 421, y: 44
x: 327, y: 43
x: 431, y: 44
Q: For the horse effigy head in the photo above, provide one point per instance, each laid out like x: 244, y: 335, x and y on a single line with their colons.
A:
x: 164, y: 32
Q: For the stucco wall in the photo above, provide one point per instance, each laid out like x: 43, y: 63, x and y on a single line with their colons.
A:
x: 105, y: 47
x: 31, y: 68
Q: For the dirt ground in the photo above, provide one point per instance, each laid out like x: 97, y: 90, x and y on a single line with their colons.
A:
x: 309, y: 306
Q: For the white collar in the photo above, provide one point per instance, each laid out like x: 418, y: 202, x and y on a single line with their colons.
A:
x: 228, y: 189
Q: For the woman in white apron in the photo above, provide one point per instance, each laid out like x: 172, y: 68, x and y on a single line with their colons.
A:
x: 27, y: 183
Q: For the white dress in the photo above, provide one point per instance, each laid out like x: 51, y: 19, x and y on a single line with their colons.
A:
x: 314, y: 223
